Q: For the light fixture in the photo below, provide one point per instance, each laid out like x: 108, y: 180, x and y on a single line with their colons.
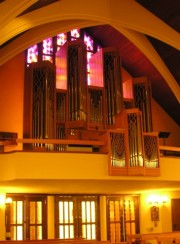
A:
x: 154, y: 200
x: 164, y: 199
x: 157, y: 200
x: 8, y: 200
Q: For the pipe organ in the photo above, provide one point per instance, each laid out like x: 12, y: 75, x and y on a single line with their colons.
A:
x: 72, y: 58
x: 96, y: 108
x: 93, y: 109
x: 105, y: 72
x: 39, y: 101
x: 142, y: 100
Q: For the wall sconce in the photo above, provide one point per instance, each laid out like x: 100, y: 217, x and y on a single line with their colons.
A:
x: 164, y: 199
x: 157, y: 200
x: 8, y: 200
x: 154, y: 200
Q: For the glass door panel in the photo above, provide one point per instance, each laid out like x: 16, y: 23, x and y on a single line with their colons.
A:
x: 77, y: 217
x: 35, y: 220
x: 16, y: 220
x: 88, y: 216
x: 66, y: 219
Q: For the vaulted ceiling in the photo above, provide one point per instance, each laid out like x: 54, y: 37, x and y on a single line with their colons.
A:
x: 145, y: 32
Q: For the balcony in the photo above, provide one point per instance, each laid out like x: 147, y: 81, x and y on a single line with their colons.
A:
x: 106, y: 157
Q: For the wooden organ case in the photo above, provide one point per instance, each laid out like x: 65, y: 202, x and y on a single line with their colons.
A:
x: 93, y: 109
x: 71, y: 63
x: 39, y: 102
x: 134, y: 149
x: 142, y: 100
x: 105, y: 73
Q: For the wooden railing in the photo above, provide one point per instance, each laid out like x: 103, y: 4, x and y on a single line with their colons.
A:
x: 169, y: 151
x: 81, y: 139
x: 7, y: 139
x: 113, y: 142
x: 170, y: 237
x: 8, y: 135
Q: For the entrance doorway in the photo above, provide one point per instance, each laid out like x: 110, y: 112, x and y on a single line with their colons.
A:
x: 26, y: 218
x: 175, y: 209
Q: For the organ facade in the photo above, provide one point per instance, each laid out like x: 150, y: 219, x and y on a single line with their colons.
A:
x: 61, y: 103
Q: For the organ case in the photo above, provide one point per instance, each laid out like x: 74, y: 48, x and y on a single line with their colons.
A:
x: 105, y: 72
x: 142, y: 100
x: 71, y: 61
x: 39, y: 101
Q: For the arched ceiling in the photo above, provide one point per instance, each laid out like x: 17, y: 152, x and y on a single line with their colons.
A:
x: 148, y: 32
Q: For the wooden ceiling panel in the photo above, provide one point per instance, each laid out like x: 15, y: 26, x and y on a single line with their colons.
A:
x: 136, y: 63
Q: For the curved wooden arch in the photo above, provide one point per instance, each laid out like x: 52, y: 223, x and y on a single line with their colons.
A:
x: 125, y: 16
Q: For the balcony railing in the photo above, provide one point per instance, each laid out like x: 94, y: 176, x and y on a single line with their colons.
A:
x: 113, y: 142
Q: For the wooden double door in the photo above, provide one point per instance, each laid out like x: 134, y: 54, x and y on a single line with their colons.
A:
x: 77, y: 217
x: 26, y: 218
x: 122, y: 217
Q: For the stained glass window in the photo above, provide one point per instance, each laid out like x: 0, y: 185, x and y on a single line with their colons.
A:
x: 61, y: 39
x: 89, y: 42
x: 75, y: 34
x: 49, y: 58
x: 32, y: 54
x: 98, y: 48
x: 47, y: 46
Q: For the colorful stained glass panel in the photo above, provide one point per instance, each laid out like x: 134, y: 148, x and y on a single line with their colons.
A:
x: 48, y: 46
x: 47, y: 58
x: 75, y: 33
x: 61, y: 39
x: 89, y: 42
x: 32, y: 54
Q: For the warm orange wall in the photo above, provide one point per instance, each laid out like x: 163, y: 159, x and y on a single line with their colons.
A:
x: 163, y: 122
x: 11, y: 95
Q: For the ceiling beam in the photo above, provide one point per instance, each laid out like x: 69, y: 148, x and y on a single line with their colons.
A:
x: 129, y: 14
x: 11, y: 9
